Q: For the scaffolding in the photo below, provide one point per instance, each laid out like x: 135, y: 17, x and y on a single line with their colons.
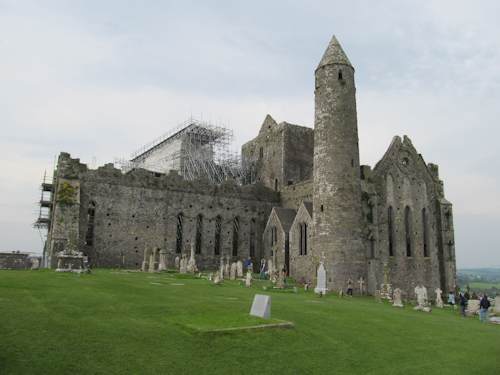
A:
x: 45, y: 203
x: 196, y: 149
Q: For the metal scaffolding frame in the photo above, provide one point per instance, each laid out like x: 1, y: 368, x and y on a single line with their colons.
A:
x: 196, y: 149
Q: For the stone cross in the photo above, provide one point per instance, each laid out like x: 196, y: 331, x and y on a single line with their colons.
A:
x: 361, y: 283
x: 439, y: 298
x: 162, y: 265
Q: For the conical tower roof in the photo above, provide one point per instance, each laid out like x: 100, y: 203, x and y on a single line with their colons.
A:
x: 334, y: 54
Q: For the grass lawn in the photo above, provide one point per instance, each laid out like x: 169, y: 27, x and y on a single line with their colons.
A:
x: 112, y: 322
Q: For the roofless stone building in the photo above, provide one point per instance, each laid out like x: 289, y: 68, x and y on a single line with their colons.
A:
x: 302, y: 195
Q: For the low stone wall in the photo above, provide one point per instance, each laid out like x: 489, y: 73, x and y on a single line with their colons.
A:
x: 14, y: 261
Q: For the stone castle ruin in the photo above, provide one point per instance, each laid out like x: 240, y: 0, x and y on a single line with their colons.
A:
x: 298, y: 196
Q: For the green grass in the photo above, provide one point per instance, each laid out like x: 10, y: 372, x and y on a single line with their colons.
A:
x: 112, y: 322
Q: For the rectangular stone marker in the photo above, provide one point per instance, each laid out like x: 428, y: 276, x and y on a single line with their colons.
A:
x: 496, y: 307
x: 261, y: 306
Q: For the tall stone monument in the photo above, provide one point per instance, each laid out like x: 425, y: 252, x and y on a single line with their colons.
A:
x: 336, y: 173
x: 321, y: 287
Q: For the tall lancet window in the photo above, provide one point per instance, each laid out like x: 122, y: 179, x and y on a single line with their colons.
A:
x: 218, y: 233
x: 408, y: 234
x: 425, y: 232
x: 236, y: 235
x: 199, y: 233
x: 390, y: 230
x: 179, y: 233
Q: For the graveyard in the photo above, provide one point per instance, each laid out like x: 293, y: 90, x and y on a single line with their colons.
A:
x: 117, y: 321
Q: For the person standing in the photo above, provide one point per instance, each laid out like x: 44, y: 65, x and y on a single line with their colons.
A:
x: 484, y: 305
x: 463, y: 304
x: 349, y: 287
x: 451, y: 299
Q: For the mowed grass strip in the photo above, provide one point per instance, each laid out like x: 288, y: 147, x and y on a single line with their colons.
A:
x: 115, y: 322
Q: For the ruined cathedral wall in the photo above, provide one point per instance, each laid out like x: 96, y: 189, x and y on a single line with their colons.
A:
x: 415, y: 259
x: 291, y: 196
x: 302, y: 266
x: 122, y: 214
x: 297, y: 154
x: 263, y: 157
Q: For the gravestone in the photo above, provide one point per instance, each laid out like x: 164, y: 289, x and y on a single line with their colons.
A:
x: 321, y: 279
x: 261, y: 306
x: 422, y: 302
x: 227, y: 267
x: 177, y: 262
x: 162, y: 266
x: 145, y: 262
x: 221, y: 268
x: 183, y: 264
x: 439, y: 298
x: 496, y: 306
x: 472, y: 307
x: 239, y: 268
x: 248, y: 279
x: 397, y: 298
x: 361, y: 283
x: 232, y: 271
x: 35, y: 263
x: 191, y: 265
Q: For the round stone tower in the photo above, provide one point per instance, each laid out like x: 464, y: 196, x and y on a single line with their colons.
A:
x: 337, y: 214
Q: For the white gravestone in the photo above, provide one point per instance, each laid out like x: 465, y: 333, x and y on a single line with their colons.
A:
x: 397, y: 298
x: 496, y: 307
x: 472, y: 307
x: 227, y: 267
x: 162, y: 266
x: 191, y: 265
x: 422, y: 302
x: 177, y: 262
x: 239, y: 268
x: 232, y: 271
x: 221, y: 268
x: 183, y: 264
x: 248, y: 279
x: 261, y: 306
x: 321, y: 280
x: 439, y: 298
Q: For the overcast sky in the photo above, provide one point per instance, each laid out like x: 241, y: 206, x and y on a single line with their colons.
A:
x: 100, y: 78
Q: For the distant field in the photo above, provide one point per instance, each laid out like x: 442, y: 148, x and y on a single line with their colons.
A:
x: 484, y: 285
x: 112, y: 322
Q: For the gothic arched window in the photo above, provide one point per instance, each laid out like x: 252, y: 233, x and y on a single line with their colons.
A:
x: 217, y: 236
x: 179, y: 233
x: 199, y: 233
x: 425, y: 232
x: 390, y: 230
x: 408, y: 234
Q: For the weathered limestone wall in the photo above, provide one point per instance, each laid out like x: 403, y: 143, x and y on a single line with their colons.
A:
x: 281, y: 154
x: 141, y: 209
x: 292, y: 196
x: 298, y: 154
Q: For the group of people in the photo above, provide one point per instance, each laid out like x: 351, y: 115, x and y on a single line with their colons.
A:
x: 463, y: 301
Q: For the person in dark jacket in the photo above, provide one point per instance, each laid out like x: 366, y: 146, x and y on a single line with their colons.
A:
x: 484, y: 305
x: 463, y: 304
